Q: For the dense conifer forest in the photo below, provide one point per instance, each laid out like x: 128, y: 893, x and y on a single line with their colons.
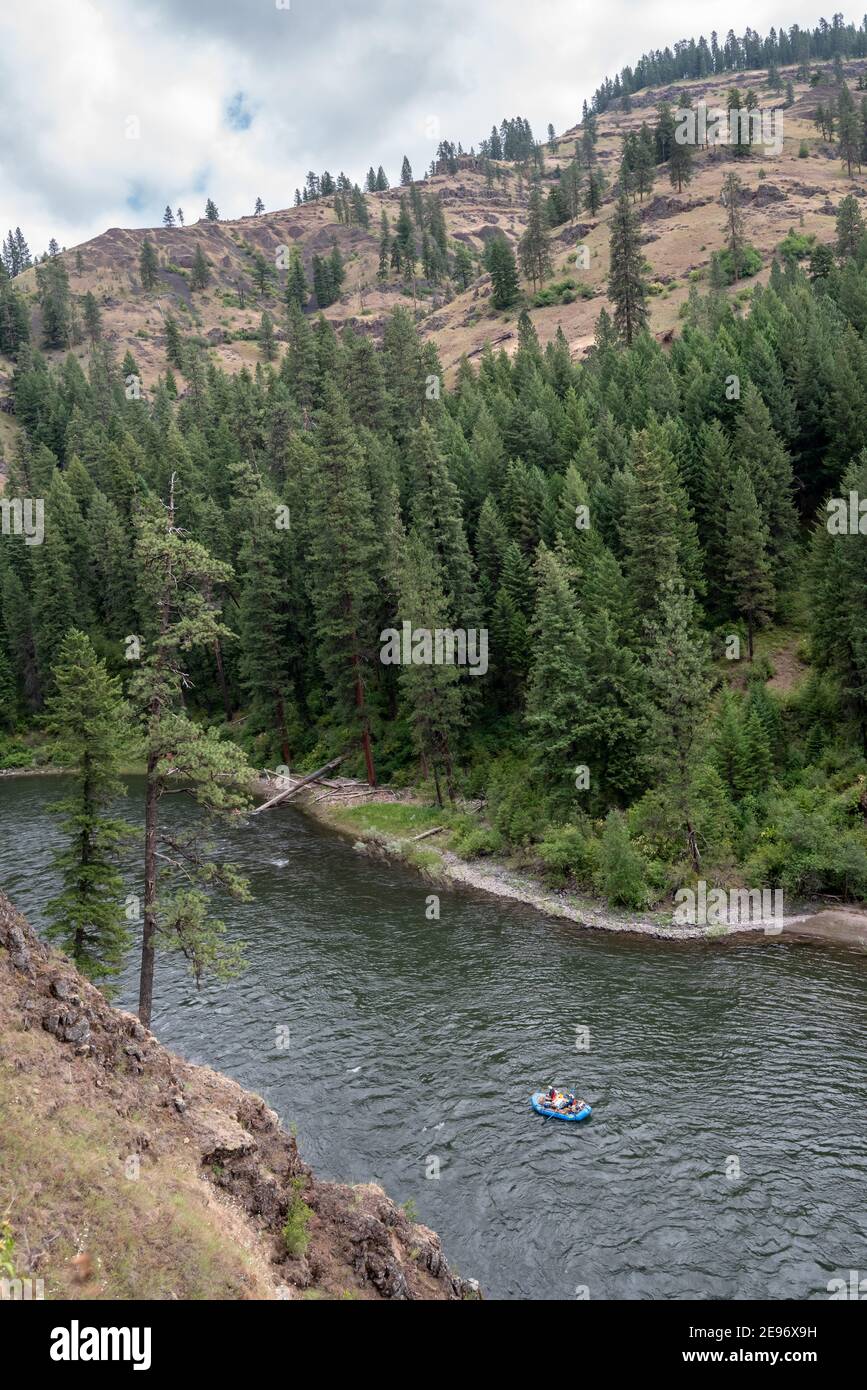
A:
x: 613, y: 525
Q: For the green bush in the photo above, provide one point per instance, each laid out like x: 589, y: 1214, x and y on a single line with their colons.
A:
x: 561, y: 292
x: 14, y: 753
x: 803, y: 150
x: 812, y: 844
x: 796, y: 245
x: 622, y: 875
x: 296, y: 1237
x: 516, y: 806
x: 568, y: 852
x: 471, y: 844
x: 750, y: 264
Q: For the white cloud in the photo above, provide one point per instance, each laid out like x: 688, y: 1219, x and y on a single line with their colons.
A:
x: 329, y: 84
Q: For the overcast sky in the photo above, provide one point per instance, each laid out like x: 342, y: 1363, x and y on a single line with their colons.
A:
x: 236, y: 99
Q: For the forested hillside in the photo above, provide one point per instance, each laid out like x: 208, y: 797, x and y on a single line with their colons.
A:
x: 675, y: 681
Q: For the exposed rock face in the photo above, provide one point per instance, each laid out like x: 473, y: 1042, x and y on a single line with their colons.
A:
x: 662, y: 206
x: 359, y: 1240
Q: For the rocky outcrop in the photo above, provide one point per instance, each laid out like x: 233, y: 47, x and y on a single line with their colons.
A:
x: 359, y: 1243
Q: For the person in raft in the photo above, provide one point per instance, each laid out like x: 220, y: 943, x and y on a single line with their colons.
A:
x: 574, y: 1106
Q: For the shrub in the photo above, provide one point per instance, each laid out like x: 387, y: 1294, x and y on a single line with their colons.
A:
x: 809, y: 846
x: 14, y: 753
x: 796, y: 245
x: 296, y: 1237
x: 517, y: 808
x: 471, y: 844
x: 561, y: 292
x: 568, y: 852
x: 622, y: 873
x: 803, y: 150
x: 751, y: 264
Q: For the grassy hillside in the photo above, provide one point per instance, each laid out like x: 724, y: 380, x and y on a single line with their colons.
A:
x: 682, y: 231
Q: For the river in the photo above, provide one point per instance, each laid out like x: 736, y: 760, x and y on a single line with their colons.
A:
x: 726, y: 1156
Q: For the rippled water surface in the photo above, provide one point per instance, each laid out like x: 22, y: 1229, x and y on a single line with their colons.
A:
x: 412, y: 1040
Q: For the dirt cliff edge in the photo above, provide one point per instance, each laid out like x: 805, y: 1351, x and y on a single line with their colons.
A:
x: 127, y: 1172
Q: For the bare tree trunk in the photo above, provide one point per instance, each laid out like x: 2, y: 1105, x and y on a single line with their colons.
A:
x: 148, y: 953
x: 221, y: 677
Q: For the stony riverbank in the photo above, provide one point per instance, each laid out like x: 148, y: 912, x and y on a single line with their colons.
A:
x: 332, y: 802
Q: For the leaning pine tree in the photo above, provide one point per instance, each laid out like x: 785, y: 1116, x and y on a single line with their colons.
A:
x: 88, y: 722
x: 626, y: 284
x: 178, y: 580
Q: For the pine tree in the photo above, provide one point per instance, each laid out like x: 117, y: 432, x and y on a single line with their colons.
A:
x: 406, y: 172
x: 92, y: 317
x: 211, y: 212
x: 263, y: 622
x: 168, y: 217
x: 266, y: 337
x: 178, y: 579
x: 381, y: 180
x: 340, y: 578
x: 557, y: 702
x: 174, y: 343
x: 431, y: 691
x: 464, y: 269
x: 88, y: 723
x: 735, y: 234
x: 259, y: 208
x: 595, y: 191
x: 180, y: 216
x: 384, y: 247
x: 680, y: 163
x: 52, y: 283
x: 503, y: 269
x: 148, y: 265
x: 759, y: 450
x: 200, y: 273
x: 404, y: 252
x: 436, y: 514
x: 850, y: 227
x: 297, y: 289
x: 626, y: 284
x: 849, y: 130
x: 533, y: 249
x: 55, y: 602
x: 748, y: 570
x: 677, y: 673
x: 729, y: 748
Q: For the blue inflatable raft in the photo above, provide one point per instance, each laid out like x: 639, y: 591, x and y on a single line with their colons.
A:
x: 537, y: 1100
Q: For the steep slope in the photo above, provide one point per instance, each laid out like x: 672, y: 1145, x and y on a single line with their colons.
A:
x: 126, y: 1172
x: 682, y: 231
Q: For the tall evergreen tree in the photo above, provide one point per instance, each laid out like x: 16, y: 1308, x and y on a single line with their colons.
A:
x: 534, y: 249
x: 178, y: 579
x: 88, y: 724
x: 340, y: 574
x: 626, y: 284
x: 148, y: 265
x: 677, y: 673
x: 748, y: 570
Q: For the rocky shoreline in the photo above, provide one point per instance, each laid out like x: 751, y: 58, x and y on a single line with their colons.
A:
x: 99, y: 1120
x: 837, y: 926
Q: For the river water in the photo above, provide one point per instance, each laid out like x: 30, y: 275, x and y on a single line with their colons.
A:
x: 727, y: 1153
